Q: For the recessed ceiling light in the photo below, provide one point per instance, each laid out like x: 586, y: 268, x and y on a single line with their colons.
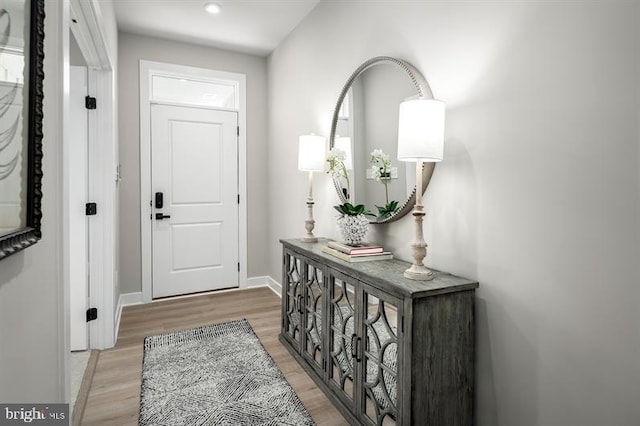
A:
x: 212, y: 8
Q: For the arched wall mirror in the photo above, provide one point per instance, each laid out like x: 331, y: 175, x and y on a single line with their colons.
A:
x: 365, y: 120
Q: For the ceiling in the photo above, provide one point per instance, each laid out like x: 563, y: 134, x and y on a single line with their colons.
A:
x: 249, y: 26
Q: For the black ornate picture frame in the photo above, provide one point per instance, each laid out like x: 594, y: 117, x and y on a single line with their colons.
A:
x: 21, y: 113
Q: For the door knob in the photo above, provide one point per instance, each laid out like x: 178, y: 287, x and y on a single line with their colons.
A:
x: 160, y: 216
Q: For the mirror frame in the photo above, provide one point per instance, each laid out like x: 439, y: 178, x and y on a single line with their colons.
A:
x: 31, y: 233
x: 423, y: 90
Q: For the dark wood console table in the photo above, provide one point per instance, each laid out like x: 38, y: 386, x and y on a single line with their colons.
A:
x: 385, y: 349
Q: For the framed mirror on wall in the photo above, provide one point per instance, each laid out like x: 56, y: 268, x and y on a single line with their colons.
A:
x: 21, y: 95
x: 365, y: 128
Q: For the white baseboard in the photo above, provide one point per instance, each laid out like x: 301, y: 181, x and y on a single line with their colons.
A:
x: 125, y: 299
x: 128, y: 299
x: 265, y: 281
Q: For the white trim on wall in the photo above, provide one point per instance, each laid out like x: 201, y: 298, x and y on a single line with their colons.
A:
x: 130, y: 299
x: 102, y: 189
x: 102, y: 159
x: 148, y: 69
x: 126, y: 299
x: 265, y: 281
x: 57, y: 25
x: 87, y: 32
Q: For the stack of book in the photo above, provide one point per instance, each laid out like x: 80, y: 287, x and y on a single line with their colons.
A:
x: 359, y: 253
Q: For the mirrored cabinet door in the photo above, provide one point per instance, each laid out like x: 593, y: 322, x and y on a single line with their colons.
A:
x: 314, y: 300
x: 380, y: 358
x: 342, y: 336
x: 292, y: 300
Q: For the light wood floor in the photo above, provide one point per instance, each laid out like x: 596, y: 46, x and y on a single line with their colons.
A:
x: 114, y: 396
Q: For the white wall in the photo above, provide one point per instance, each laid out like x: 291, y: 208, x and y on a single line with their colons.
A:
x: 75, y: 55
x: 133, y: 48
x: 538, y: 194
x: 32, y: 302
x: 33, y: 295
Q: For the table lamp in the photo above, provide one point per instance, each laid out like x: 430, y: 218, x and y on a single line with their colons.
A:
x: 420, y: 139
x: 311, y: 158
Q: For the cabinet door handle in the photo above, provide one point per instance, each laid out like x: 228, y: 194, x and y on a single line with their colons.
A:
x: 300, y: 307
x: 353, y: 345
x: 358, y: 349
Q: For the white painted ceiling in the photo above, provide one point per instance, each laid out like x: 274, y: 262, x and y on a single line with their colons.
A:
x: 249, y: 26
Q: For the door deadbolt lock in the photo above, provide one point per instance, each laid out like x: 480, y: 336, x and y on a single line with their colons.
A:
x: 159, y: 200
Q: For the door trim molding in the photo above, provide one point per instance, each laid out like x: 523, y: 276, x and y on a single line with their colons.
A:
x: 102, y: 146
x: 103, y: 159
x: 147, y: 70
x: 76, y: 177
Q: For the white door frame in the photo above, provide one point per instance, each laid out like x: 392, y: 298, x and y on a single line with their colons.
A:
x: 75, y: 172
x: 147, y: 70
x: 103, y: 150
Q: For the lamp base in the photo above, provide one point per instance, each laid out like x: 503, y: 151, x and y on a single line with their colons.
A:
x: 419, y: 273
x: 309, y: 225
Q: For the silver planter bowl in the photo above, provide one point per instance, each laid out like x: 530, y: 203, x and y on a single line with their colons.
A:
x: 353, y: 228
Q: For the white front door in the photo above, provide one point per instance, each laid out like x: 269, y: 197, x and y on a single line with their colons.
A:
x: 77, y: 189
x: 194, y: 169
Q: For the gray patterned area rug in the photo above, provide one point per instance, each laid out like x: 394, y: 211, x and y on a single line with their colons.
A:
x: 215, y: 375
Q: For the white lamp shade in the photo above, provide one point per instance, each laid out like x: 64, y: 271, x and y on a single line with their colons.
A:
x: 344, y: 144
x: 421, y: 130
x: 311, y: 153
